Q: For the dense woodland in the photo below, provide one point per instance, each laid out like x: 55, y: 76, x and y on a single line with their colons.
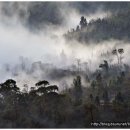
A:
x: 105, y: 96
x: 116, y: 26
x: 105, y: 99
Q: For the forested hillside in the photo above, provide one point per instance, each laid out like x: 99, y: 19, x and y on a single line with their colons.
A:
x: 103, y: 99
x: 51, y: 78
x: 116, y: 26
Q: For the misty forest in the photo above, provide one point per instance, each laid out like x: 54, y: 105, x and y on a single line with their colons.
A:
x: 64, y: 64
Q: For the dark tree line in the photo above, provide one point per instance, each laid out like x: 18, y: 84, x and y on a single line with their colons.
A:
x: 116, y: 26
x: 102, y: 98
x: 43, y: 106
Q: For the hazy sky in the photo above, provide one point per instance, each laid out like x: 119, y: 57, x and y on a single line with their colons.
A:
x: 17, y: 40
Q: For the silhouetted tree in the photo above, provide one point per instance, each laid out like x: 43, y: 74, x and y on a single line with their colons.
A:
x: 121, y: 51
x: 44, y: 83
x: 78, y: 89
x: 42, y: 90
x: 83, y: 22
x: 104, y: 66
x: 52, y: 88
x: 9, y: 86
x: 115, y: 52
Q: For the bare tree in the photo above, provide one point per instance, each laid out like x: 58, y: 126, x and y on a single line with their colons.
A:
x: 120, y: 51
x: 115, y: 52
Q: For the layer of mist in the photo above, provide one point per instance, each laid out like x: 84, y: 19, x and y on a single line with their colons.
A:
x: 29, y: 55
